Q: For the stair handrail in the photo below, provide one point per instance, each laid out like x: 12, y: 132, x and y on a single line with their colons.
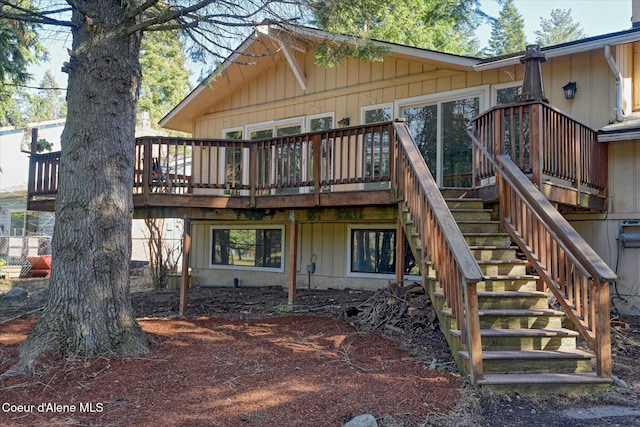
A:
x: 576, y: 276
x: 442, y: 242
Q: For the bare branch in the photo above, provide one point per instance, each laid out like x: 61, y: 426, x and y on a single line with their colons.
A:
x: 33, y: 16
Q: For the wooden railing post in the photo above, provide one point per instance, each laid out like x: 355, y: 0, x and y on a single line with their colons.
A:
x: 474, y: 340
x: 146, y: 167
x: 536, y: 143
x: 253, y: 174
x: 317, y: 167
x: 31, y: 183
x: 603, y: 330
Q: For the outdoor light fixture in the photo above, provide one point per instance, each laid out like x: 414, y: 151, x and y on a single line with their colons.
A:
x: 570, y: 90
x: 344, y: 122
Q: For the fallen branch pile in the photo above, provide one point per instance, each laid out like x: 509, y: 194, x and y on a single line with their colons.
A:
x: 399, y: 309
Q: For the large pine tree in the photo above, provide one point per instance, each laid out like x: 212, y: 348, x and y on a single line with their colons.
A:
x: 559, y: 28
x: 165, y: 78
x: 507, y: 32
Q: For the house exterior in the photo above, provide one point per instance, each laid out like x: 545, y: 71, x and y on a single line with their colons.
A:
x: 287, y: 93
x: 425, y: 166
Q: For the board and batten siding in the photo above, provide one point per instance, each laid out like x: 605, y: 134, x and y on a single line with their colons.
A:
x: 342, y: 90
x: 601, y: 231
x: 326, y: 243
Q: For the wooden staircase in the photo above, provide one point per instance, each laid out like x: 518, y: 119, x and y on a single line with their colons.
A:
x: 525, y: 345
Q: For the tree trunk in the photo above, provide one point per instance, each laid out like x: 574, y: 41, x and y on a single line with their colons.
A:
x: 89, y: 309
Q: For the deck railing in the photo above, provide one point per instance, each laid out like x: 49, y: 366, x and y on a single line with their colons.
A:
x: 331, y: 160
x: 443, y: 246
x: 544, y: 143
x: 568, y: 266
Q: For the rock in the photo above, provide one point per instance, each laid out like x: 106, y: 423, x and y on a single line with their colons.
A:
x: 365, y: 420
x: 14, y: 295
x: 41, y: 295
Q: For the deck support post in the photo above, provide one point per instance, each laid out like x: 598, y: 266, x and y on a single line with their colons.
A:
x: 293, y: 255
x: 400, y: 245
x: 184, y: 280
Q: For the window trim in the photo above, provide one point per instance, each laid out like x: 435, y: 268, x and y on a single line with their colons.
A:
x: 371, y: 227
x: 380, y: 106
x: 248, y: 268
x: 274, y: 124
x: 495, y: 88
x: 307, y: 121
x: 233, y: 129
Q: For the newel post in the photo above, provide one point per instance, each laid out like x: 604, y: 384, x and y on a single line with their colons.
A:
x: 603, y: 330
x: 535, y: 143
x: 474, y: 340
x: 146, y: 167
x: 31, y: 185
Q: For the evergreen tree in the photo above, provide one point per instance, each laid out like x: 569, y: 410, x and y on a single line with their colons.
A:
x: 19, y: 48
x: 47, y: 103
x: 443, y: 25
x: 507, y: 32
x: 560, y: 28
x: 165, y: 79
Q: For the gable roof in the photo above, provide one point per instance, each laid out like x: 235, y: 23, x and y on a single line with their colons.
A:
x: 271, y: 41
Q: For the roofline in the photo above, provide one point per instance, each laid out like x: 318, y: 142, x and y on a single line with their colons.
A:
x: 205, y: 83
x: 569, y: 48
x: 458, y: 60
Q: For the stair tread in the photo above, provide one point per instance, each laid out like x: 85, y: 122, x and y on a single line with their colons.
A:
x: 480, y: 234
x: 471, y: 210
x: 532, y: 354
x: 502, y: 261
x: 520, y: 332
x: 504, y: 294
x: 529, y: 332
x: 512, y: 294
x: 589, y: 377
x: 514, y: 312
x: 492, y: 247
x: 512, y: 277
x: 520, y: 312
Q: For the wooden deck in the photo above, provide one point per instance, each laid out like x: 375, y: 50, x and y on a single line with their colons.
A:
x: 352, y: 166
x: 526, y: 148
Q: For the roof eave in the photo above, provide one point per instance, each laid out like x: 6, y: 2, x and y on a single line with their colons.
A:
x: 563, y: 50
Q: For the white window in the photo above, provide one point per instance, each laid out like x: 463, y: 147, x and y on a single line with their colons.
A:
x: 275, y: 128
x: 505, y: 93
x: 376, y: 113
x: 247, y: 248
x: 319, y: 122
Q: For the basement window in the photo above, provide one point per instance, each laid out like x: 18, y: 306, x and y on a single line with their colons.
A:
x: 372, y: 252
x: 257, y: 248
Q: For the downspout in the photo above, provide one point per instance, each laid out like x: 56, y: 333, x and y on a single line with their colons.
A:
x: 616, y: 72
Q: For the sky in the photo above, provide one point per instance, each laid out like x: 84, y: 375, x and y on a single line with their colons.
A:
x: 596, y: 17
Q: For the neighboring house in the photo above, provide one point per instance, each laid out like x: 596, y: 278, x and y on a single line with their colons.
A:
x: 296, y: 176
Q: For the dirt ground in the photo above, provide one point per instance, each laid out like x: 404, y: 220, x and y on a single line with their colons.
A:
x: 245, y: 357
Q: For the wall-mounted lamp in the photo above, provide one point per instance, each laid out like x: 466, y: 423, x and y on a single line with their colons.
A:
x: 570, y: 90
x: 344, y: 122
